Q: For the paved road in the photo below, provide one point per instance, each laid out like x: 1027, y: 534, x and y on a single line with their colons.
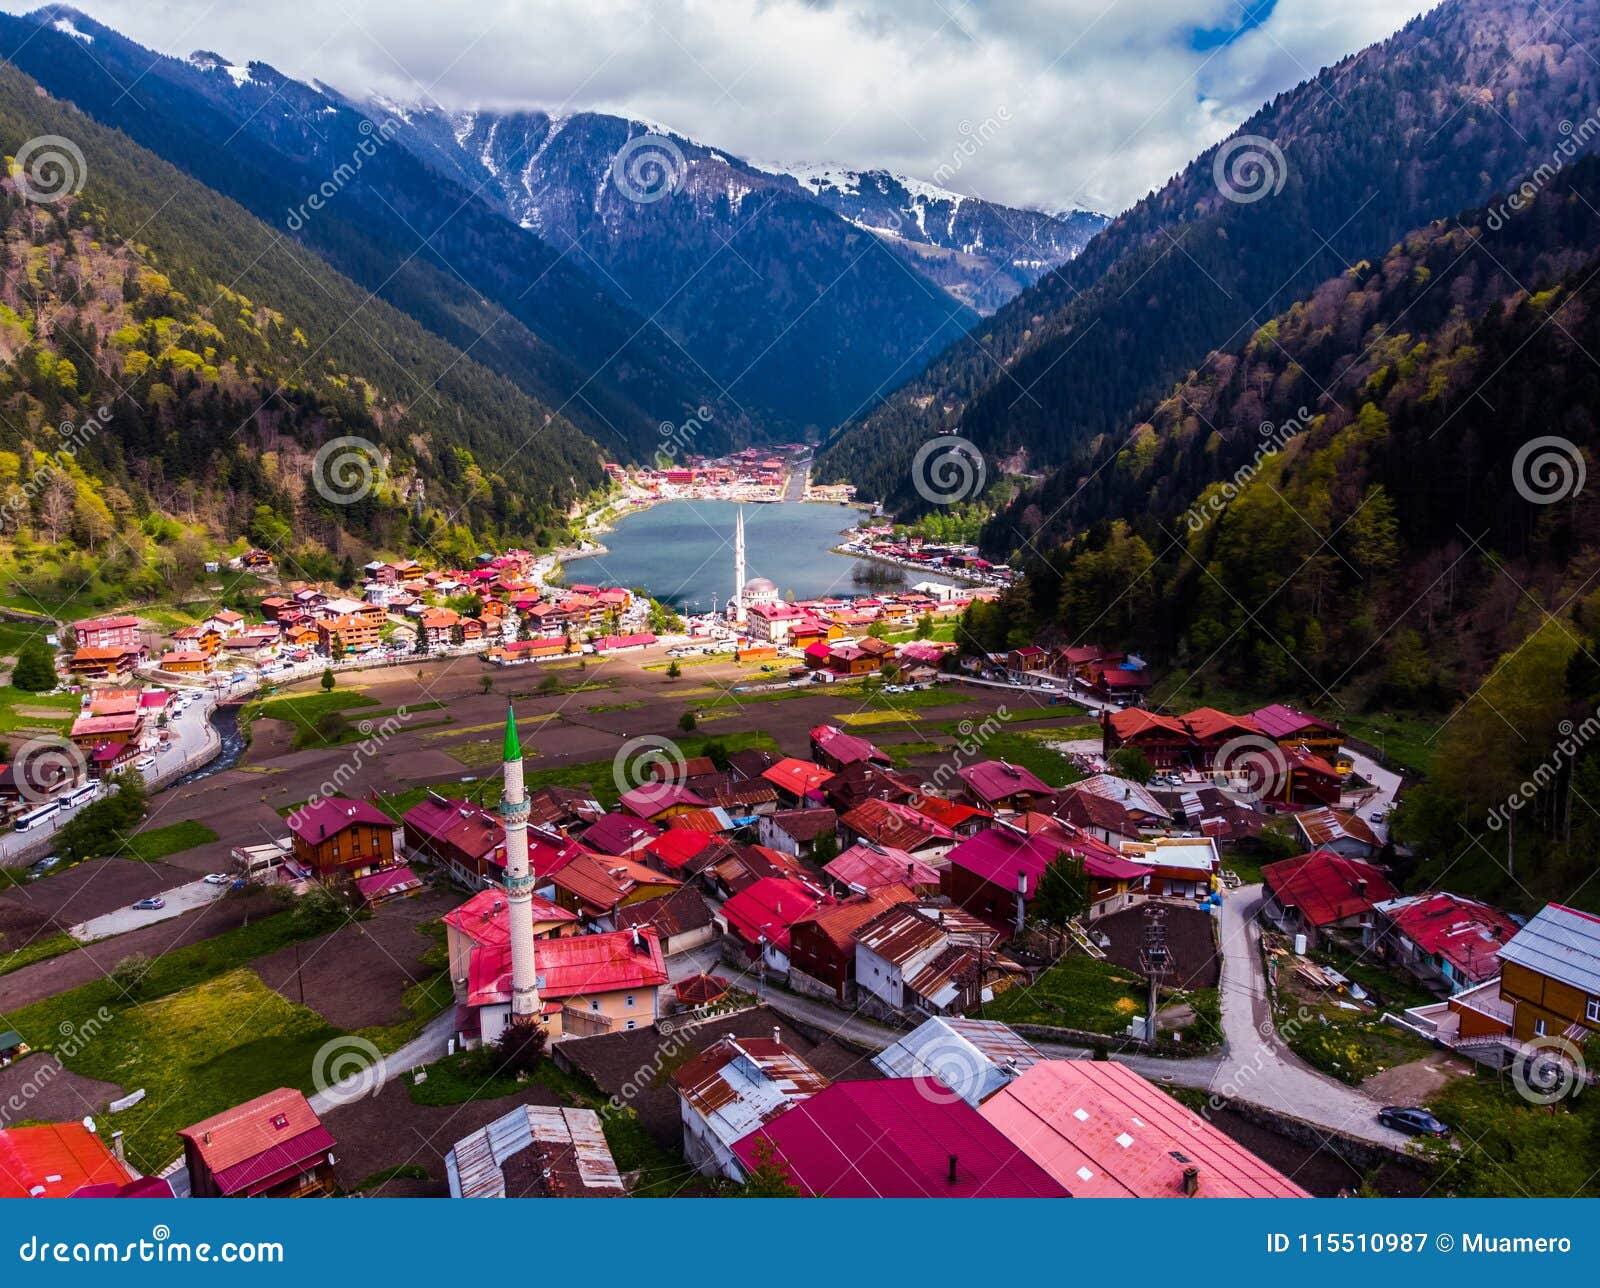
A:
x: 179, y: 900
x: 423, y: 1049
x: 1255, y: 1066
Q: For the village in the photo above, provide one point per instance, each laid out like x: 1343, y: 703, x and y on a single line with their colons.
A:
x: 601, y: 901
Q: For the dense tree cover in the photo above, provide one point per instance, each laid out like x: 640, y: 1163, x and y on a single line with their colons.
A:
x: 103, y: 826
x: 315, y: 168
x: 1463, y: 102
x: 1339, y: 499
x: 35, y: 670
x: 170, y: 392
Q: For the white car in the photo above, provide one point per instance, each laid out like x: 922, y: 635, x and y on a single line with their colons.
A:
x: 145, y: 762
x: 217, y: 878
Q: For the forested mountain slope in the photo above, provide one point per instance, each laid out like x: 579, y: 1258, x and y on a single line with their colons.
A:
x: 1459, y: 105
x: 196, y: 361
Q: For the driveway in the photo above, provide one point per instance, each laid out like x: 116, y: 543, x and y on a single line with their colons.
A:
x: 179, y: 900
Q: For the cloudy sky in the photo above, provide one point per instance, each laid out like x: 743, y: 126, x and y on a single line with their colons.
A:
x: 1080, y: 102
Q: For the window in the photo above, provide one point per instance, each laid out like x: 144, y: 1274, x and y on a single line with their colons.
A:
x: 630, y: 999
x: 594, y: 1004
x: 1539, y: 1028
x: 1591, y: 1010
x: 632, y: 1024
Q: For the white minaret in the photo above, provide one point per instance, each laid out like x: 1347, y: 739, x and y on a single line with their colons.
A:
x: 525, y: 1005
x: 738, y: 568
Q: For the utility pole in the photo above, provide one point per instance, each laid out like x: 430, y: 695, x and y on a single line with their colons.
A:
x: 1155, y: 959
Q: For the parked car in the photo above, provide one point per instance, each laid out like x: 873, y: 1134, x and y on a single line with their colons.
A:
x: 45, y: 864
x: 151, y: 904
x: 217, y: 878
x: 145, y: 762
x: 1412, y: 1121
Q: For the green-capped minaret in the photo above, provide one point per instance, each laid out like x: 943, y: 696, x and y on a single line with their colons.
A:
x: 513, y: 745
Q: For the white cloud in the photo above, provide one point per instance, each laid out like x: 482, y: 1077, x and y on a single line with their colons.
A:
x: 1096, y: 100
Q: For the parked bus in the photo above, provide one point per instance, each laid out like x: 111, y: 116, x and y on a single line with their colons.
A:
x: 77, y: 795
x: 36, y: 816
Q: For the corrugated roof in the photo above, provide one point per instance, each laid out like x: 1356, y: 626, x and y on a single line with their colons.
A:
x: 1103, y: 1131
x: 898, y: 1138
x: 476, y: 1164
x: 51, y: 1160
x: 1561, y: 943
x: 974, y: 1058
x: 737, y: 1084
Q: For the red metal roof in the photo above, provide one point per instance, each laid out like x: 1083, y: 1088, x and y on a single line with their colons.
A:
x: 797, y: 777
x: 1207, y: 723
x: 769, y: 907
x: 52, y: 1160
x: 845, y: 748
x: 999, y: 854
x: 896, y: 1139
x: 1466, y: 933
x: 677, y: 845
x: 1325, y: 887
x: 484, y: 918
x: 1103, y: 1131
x: 254, y: 1139
x: 1279, y: 721
x: 571, y: 967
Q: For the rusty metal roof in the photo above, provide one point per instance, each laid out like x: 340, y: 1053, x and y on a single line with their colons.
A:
x: 737, y: 1084
x: 476, y: 1165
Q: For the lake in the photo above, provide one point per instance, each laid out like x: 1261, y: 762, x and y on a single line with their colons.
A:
x: 681, y: 552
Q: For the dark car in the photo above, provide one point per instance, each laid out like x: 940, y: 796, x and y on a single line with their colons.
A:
x: 1411, y: 1120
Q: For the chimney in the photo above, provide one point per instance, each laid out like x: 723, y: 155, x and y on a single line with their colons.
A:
x: 116, y: 1147
x: 777, y: 1034
x: 1361, y: 888
x: 1191, y: 1181
x: 953, y: 1159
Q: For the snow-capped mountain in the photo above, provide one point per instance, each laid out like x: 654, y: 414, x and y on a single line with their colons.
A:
x: 539, y: 165
x: 994, y: 251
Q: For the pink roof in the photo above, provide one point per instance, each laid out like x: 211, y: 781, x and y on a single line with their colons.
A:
x: 651, y: 798
x: 619, y: 834
x: 846, y: 748
x: 797, y: 777
x: 388, y: 881
x: 1000, y: 853
x: 994, y: 780
x: 867, y: 867
x: 895, y: 1139
x: 327, y: 817
x: 254, y: 1141
x: 1103, y: 1131
x: 1279, y: 721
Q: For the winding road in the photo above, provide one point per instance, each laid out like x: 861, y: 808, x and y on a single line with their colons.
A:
x: 1255, y: 1066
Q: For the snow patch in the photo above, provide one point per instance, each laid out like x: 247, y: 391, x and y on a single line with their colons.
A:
x: 65, y: 27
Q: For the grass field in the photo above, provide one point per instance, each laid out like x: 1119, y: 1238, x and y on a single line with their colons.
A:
x: 1075, y: 993
x: 39, y: 950
x: 36, y: 712
x: 306, y: 712
x: 158, y: 842
x: 200, y: 1051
